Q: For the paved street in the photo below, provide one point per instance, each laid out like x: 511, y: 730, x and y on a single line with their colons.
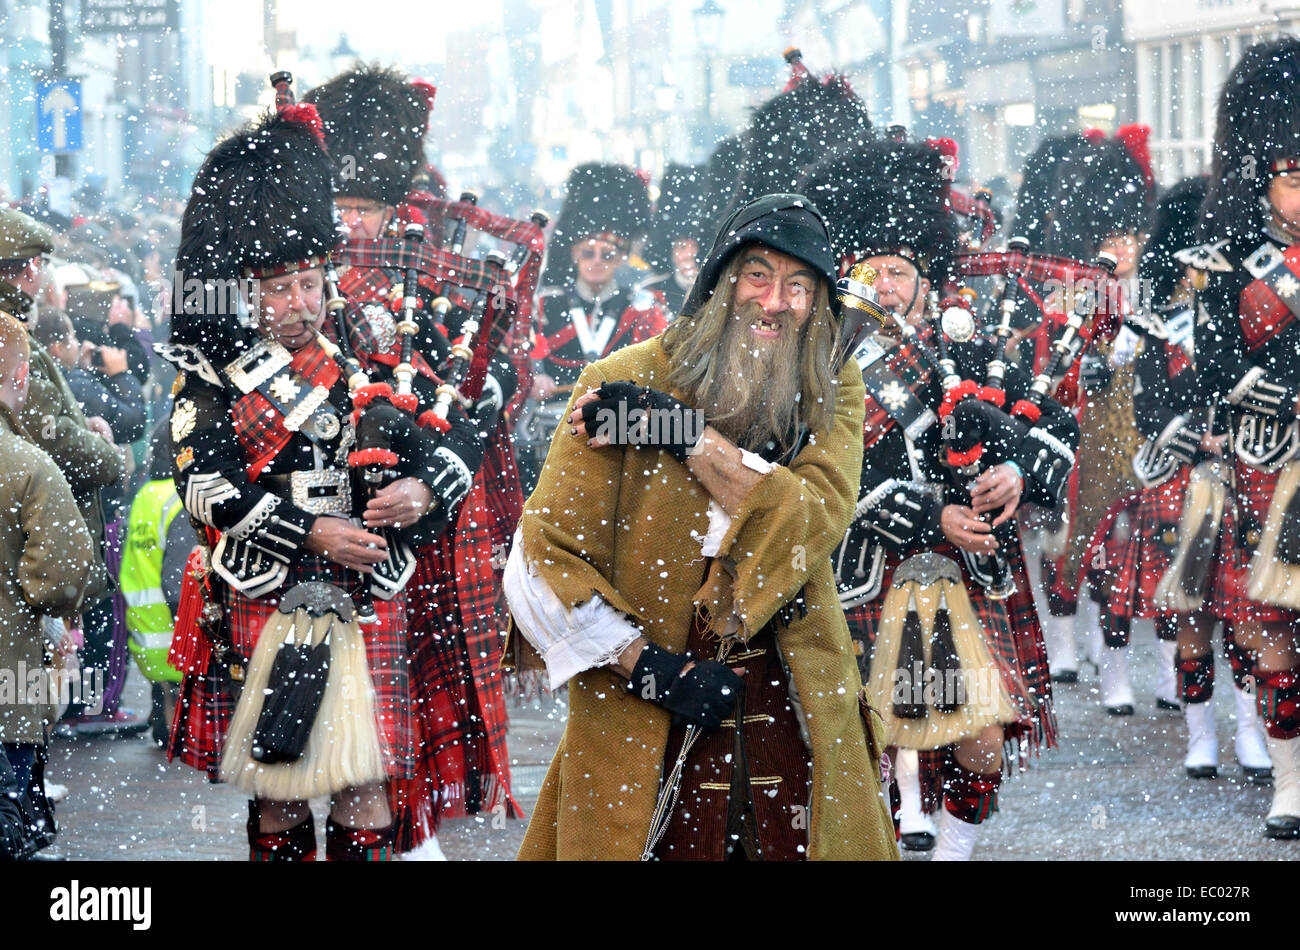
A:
x: 1114, y: 790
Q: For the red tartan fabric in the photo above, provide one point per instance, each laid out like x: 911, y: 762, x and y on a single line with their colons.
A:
x: 905, y: 362
x: 1263, y: 314
x: 1253, y: 491
x: 430, y: 262
x: 966, y: 206
x: 455, y: 644
x: 505, y: 493
x: 204, y: 711
x: 1015, y: 642
x: 1105, y: 551
x: 1144, y: 557
x: 260, y: 426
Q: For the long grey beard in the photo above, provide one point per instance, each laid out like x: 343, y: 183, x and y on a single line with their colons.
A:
x: 754, y: 397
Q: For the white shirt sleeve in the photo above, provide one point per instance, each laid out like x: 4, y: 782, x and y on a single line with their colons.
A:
x: 569, y: 641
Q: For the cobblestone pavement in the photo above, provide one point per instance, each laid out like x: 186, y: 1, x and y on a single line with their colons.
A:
x: 1115, y: 789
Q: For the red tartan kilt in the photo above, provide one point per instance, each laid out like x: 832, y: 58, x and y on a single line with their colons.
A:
x: 1014, y: 638
x: 455, y: 648
x: 1228, y: 600
x: 441, y: 673
x: 504, y: 496
x: 1141, y: 560
x: 204, y: 711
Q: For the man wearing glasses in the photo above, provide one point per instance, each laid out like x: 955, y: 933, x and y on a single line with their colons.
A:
x: 585, y: 313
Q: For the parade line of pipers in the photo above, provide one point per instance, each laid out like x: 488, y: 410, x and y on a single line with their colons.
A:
x: 916, y: 457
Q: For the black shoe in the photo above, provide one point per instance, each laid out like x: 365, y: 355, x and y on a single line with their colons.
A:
x: 1065, y: 676
x: 1125, y: 709
x: 1257, y: 776
x: 1202, y: 771
x: 1282, y: 826
x: 918, y: 841
x: 1167, y: 704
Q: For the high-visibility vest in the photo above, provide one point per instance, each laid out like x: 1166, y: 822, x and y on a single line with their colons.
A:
x: 148, y: 618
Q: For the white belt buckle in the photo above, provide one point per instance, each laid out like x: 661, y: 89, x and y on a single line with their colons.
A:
x: 308, y: 490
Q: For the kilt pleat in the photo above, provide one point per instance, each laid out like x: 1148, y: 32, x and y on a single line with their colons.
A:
x: 455, y: 645
x: 1143, y: 558
x: 1252, y: 494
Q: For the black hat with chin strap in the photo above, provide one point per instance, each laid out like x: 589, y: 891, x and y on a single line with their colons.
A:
x: 788, y: 223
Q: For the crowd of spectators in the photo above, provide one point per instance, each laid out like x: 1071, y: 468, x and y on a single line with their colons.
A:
x: 85, y: 298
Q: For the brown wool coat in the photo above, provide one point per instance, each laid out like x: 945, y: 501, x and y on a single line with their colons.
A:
x: 54, y: 421
x: 622, y: 523
x: 47, y: 562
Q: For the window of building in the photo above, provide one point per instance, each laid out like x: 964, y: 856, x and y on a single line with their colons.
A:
x: 1175, y: 59
x: 1156, y: 91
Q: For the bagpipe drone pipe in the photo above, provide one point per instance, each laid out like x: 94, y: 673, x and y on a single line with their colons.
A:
x: 445, y: 269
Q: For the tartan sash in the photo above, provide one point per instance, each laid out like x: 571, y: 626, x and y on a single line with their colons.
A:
x: 259, y: 422
x: 1271, y: 302
x: 909, y: 377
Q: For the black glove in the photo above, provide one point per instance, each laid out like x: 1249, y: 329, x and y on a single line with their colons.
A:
x: 628, y: 414
x: 702, y: 696
x: 1095, y: 372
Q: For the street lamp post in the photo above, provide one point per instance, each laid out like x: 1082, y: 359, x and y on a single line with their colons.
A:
x: 63, y: 167
x: 708, y: 17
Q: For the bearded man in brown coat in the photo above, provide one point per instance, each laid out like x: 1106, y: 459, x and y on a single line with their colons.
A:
x: 673, y: 567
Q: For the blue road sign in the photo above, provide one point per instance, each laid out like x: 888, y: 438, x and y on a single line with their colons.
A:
x: 58, y: 115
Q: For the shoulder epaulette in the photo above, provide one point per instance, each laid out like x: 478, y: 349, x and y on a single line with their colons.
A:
x: 190, y: 359
x: 1206, y: 257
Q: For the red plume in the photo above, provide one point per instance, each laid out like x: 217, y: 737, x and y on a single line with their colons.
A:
x: 304, y: 113
x: 1095, y: 135
x: 947, y: 148
x: 430, y: 92
x: 1137, y: 139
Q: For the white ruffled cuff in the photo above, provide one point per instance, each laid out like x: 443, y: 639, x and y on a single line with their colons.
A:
x: 570, y: 642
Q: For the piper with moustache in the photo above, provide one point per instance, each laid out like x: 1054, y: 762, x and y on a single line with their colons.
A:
x: 274, y: 423
x: 952, y: 654
x: 375, y: 120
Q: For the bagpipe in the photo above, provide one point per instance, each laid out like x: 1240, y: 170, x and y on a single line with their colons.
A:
x: 441, y: 264
x: 304, y: 724
x: 978, y: 430
x: 1097, y: 310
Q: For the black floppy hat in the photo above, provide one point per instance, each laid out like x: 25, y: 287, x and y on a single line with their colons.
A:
x: 788, y: 223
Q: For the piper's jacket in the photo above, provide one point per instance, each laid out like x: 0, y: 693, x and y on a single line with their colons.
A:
x: 905, y: 486
x: 1248, y: 344
x: 231, y: 468
x: 1168, y: 407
